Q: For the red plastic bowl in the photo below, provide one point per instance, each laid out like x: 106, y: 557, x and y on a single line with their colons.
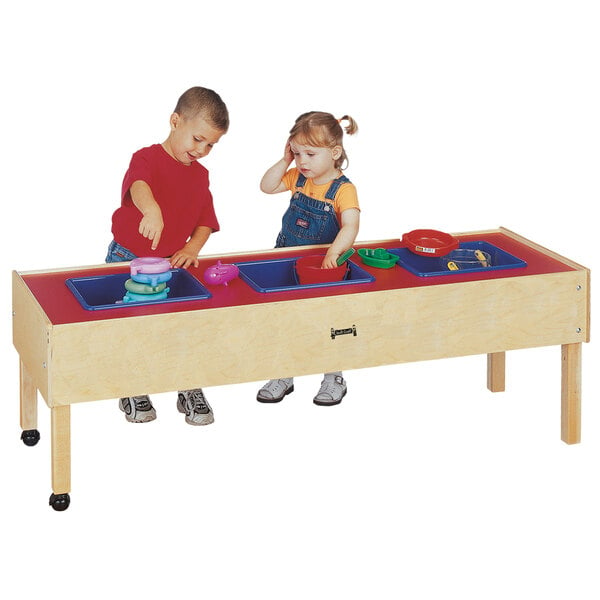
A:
x: 308, y: 270
x: 429, y: 242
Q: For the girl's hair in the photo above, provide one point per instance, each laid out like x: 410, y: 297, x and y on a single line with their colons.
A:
x: 205, y: 102
x: 323, y: 130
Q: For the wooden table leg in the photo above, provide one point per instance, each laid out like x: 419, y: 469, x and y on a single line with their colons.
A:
x: 61, y: 456
x: 571, y: 394
x: 29, y: 407
x: 28, y: 393
x: 496, y: 369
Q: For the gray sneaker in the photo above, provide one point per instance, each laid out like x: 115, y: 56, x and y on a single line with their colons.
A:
x: 197, y: 410
x: 333, y: 389
x: 275, y: 390
x: 137, y: 409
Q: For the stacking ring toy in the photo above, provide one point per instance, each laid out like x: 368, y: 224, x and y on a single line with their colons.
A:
x: 152, y: 278
x: 133, y: 297
x: 149, y: 264
x: 143, y: 288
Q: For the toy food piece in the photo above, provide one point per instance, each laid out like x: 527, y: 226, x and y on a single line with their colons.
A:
x: 149, y: 264
x: 429, y: 242
x: 308, y: 270
x: 133, y: 297
x: 220, y: 273
x: 378, y: 257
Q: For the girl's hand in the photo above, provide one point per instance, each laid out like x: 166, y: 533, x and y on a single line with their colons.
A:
x: 184, y: 258
x: 288, y: 155
x: 344, y: 239
x: 151, y: 227
x: 330, y: 260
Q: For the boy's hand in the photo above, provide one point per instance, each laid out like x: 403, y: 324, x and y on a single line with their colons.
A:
x: 188, y: 255
x: 184, y: 258
x: 151, y: 227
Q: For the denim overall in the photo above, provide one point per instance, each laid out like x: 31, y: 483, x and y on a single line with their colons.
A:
x: 309, y: 221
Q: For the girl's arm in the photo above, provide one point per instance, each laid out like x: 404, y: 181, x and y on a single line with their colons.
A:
x: 271, y: 182
x: 152, y: 224
x: 188, y: 255
x: 344, y: 239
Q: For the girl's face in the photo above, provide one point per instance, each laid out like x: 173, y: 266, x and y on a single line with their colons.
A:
x: 315, y: 162
x: 190, y: 139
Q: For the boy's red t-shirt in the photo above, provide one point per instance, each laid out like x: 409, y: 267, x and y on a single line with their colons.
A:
x: 181, y: 191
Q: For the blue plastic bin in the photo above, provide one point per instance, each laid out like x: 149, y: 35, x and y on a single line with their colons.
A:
x: 107, y: 291
x: 425, y: 266
x: 279, y: 275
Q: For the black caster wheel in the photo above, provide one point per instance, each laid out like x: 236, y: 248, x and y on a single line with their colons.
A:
x: 30, y: 437
x: 60, y: 502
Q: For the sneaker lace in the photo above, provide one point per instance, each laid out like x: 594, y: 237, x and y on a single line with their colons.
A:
x: 141, y: 403
x: 198, y: 400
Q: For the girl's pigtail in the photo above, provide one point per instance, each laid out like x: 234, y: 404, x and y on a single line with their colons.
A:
x: 351, y: 127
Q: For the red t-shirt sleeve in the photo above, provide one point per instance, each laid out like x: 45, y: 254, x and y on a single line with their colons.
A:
x: 139, y: 170
x: 208, y: 216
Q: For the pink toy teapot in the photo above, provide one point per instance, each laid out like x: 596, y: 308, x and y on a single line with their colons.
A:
x: 220, y: 273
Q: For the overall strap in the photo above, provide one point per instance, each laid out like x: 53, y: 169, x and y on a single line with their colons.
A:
x: 300, y: 181
x: 335, y: 186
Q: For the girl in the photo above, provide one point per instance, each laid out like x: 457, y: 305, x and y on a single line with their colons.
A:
x: 323, y: 210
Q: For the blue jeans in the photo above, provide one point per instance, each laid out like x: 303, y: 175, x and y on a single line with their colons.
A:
x: 118, y: 253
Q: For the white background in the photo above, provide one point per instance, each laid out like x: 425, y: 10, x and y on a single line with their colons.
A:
x: 421, y: 484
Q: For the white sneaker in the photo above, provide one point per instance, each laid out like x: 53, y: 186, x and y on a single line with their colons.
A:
x: 275, y: 390
x: 137, y: 409
x: 333, y: 389
x: 197, y: 410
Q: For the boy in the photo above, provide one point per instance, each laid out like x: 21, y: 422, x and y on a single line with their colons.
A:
x: 167, y: 210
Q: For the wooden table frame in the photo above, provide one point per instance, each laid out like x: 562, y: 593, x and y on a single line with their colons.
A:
x: 76, y: 362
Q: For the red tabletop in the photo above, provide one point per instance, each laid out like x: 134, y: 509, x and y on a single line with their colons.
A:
x: 61, y: 306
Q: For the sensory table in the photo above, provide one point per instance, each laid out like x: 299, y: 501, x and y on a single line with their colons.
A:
x: 72, y: 354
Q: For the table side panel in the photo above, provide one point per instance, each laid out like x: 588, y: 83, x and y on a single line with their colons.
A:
x: 31, y: 332
x: 160, y: 353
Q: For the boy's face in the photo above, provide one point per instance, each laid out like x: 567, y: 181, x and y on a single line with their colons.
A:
x: 190, y: 138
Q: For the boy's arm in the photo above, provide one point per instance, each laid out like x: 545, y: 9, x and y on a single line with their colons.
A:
x: 271, y: 182
x: 188, y: 255
x: 151, y: 224
x: 344, y: 239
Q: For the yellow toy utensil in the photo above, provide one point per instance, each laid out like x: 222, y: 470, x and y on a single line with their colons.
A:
x: 481, y: 258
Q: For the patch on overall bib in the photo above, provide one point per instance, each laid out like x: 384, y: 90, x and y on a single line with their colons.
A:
x: 302, y: 223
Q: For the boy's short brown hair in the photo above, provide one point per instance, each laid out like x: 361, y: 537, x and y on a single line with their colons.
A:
x: 199, y: 100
